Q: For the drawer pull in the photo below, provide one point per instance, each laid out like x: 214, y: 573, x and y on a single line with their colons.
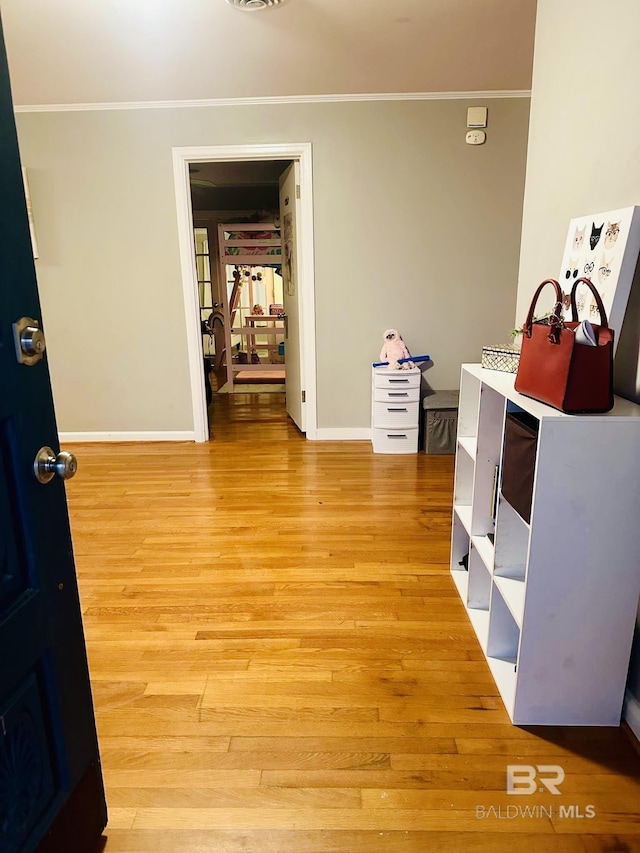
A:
x: 398, y: 380
x: 397, y: 409
x: 398, y: 394
x: 396, y: 435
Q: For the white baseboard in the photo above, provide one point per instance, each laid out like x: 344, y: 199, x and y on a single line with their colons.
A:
x: 329, y: 434
x: 186, y: 435
x: 343, y: 434
x: 631, y: 712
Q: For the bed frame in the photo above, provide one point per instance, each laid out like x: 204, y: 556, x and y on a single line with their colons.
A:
x: 247, y: 245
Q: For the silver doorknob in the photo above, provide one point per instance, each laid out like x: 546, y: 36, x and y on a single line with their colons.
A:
x: 32, y: 340
x: 47, y: 465
x: 29, y: 341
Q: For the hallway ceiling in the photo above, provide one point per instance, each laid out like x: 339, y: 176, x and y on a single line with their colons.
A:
x: 245, y: 185
x: 112, y: 51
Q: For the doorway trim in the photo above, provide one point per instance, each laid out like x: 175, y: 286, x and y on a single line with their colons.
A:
x: 182, y: 157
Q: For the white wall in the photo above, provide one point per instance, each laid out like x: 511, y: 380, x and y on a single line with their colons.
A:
x: 413, y: 229
x: 584, y: 150
x: 584, y: 138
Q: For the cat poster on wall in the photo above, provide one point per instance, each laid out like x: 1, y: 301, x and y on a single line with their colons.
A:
x: 602, y: 247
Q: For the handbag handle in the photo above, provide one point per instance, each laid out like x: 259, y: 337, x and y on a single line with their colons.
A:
x: 574, y: 308
x: 555, y: 320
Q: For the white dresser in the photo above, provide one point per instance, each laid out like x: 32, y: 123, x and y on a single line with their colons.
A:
x: 395, y: 409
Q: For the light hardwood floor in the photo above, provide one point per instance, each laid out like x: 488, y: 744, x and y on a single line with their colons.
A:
x: 281, y: 664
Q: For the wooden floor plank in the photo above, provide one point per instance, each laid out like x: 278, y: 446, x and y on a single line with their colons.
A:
x: 281, y: 664
x: 340, y: 841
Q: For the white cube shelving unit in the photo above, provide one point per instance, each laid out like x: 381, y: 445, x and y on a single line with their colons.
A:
x: 553, y: 601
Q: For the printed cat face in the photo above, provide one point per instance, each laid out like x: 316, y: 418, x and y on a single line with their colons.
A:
x: 611, y: 234
x: 578, y: 238
x: 594, y: 314
x: 595, y: 235
x: 589, y: 267
x: 572, y: 269
x: 604, y: 270
x: 581, y: 298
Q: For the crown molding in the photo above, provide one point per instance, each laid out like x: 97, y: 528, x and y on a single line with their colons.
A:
x: 285, y: 99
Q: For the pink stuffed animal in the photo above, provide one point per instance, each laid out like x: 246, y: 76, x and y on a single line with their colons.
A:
x: 394, y: 349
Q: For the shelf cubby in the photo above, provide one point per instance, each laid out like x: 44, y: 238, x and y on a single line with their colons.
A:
x: 463, y: 489
x: 468, y: 443
x: 504, y: 632
x: 519, y: 453
x: 511, y: 542
x: 460, y: 546
x: 478, y: 596
x: 488, y: 451
x: 480, y: 621
x: 479, y: 592
x: 502, y: 648
x: 485, y: 548
x: 512, y: 592
x: 505, y: 676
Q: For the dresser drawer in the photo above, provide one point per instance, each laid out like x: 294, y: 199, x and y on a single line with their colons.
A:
x: 395, y: 440
x: 396, y: 395
x: 396, y: 379
x: 395, y: 415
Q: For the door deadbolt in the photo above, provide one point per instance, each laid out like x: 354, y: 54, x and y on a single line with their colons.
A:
x: 47, y: 465
x: 29, y: 341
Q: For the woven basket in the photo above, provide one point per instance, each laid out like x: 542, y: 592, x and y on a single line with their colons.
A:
x: 503, y: 357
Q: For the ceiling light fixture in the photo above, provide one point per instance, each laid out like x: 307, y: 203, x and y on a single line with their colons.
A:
x: 255, y: 5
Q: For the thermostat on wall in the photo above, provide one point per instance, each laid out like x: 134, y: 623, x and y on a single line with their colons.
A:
x: 477, y: 117
x: 476, y: 137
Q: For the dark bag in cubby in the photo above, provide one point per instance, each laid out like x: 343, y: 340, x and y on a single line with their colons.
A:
x: 519, y: 461
x: 560, y: 372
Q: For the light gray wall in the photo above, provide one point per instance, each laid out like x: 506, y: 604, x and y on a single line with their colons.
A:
x: 414, y: 229
x: 584, y: 151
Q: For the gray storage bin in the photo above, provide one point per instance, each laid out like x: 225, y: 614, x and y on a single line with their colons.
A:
x: 440, y: 422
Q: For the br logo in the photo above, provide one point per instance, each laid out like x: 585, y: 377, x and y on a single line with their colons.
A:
x: 527, y: 779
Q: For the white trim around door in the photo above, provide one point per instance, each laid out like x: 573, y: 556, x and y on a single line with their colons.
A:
x: 182, y: 157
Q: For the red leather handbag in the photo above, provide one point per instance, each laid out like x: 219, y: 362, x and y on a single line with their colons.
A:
x: 556, y: 370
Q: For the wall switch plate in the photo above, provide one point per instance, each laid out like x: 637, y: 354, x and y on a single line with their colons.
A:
x: 476, y: 137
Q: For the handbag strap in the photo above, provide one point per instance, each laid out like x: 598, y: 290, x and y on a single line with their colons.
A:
x: 555, y: 320
x: 574, y: 308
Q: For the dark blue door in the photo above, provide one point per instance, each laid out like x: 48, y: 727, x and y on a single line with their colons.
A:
x: 51, y: 793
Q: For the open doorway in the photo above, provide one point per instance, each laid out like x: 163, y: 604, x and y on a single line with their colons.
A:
x: 238, y: 243
x: 219, y: 183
